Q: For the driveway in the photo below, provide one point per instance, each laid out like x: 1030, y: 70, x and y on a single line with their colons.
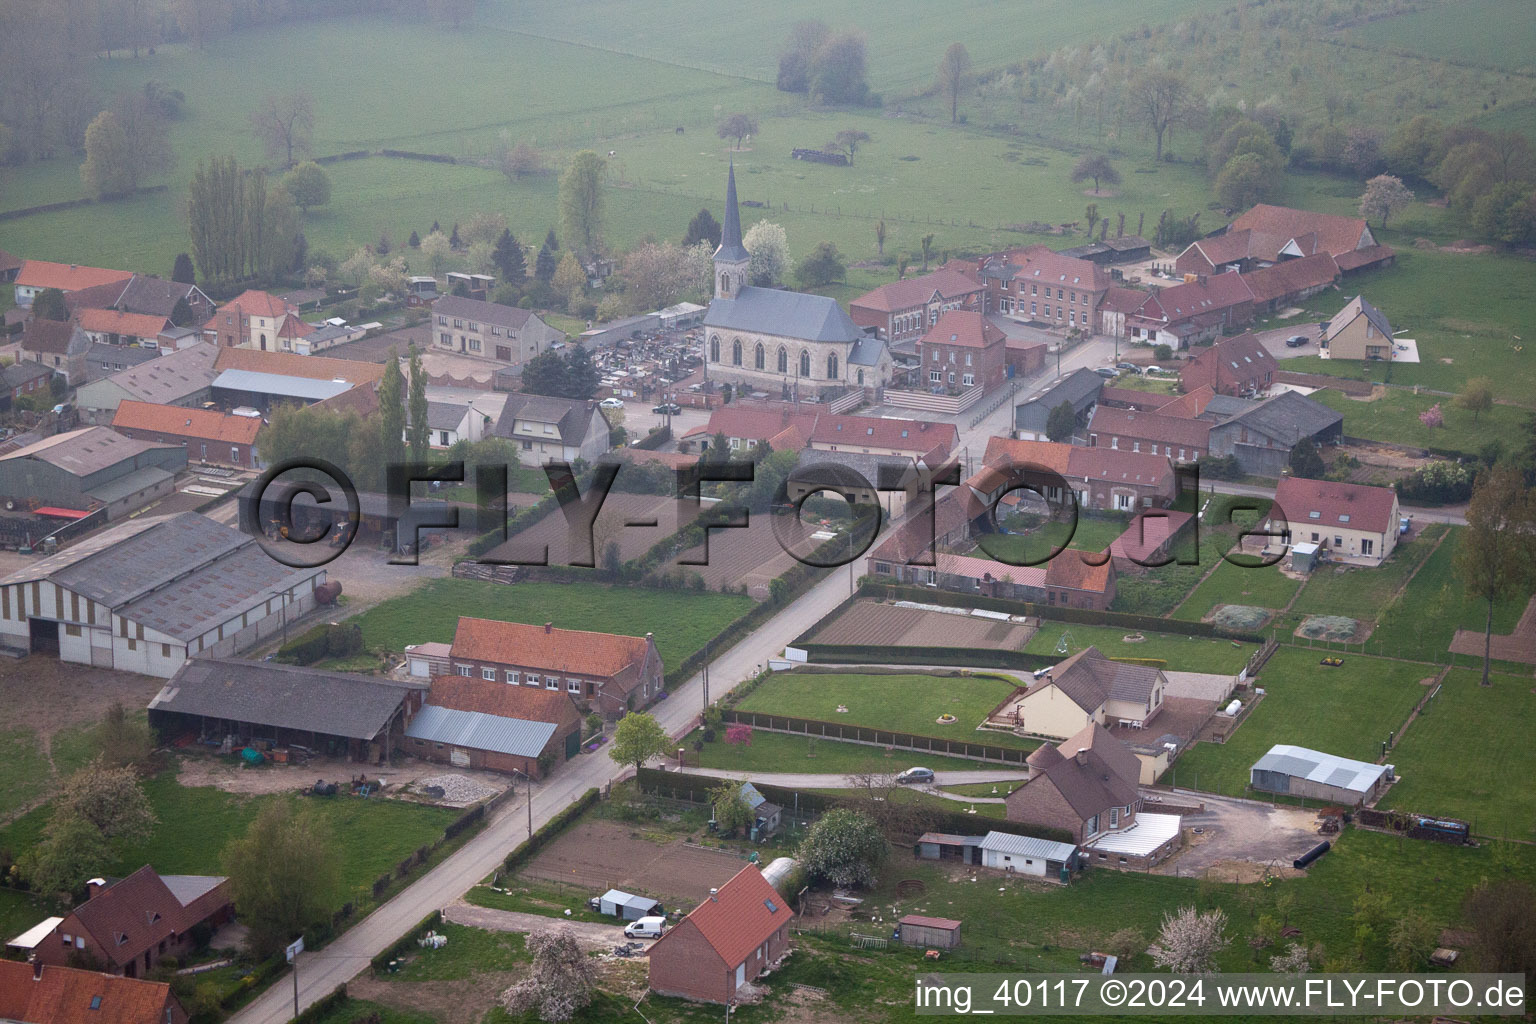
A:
x: 1274, y: 340
x: 1239, y: 830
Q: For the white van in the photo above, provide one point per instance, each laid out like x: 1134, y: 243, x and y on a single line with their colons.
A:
x: 645, y: 928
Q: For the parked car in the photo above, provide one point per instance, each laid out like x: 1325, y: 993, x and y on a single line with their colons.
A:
x: 667, y: 409
x: 914, y: 775
x: 645, y: 928
x: 612, y: 403
x: 1107, y: 371
x: 1132, y: 367
x: 1296, y: 341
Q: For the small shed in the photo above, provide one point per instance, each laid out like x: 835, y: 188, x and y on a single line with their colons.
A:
x: 943, y: 846
x: 928, y: 932
x: 1304, y: 557
x: 628, y: 906
x: 766, y: 815
x: 1027, y: 855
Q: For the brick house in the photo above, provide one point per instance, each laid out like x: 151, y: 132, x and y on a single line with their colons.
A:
x: 1291, y: 281
x: 22, y: 379
x: 1200, y: 309
x: 32, y: 993
x: 783, y: 425
x: 1239, y: 366
x: 478, y: 722
x: 256, y: 320
x: 125, y: 927
x: 1024, y: 358
x: 489, y: 330
x: 1176, y: 437
x: 876, y: 435
x: 725, y: 943
x: 1357, y: 524
x: 114, y: 327
x: 208, y: 435
x: 610, y: 672
x: 904, y: 310
x: 1267, y: 235
x: 962, y: 350
x: 1086, y: 785
x: 61, y: 347
x: 1103, y: 479
x: 1037, y: 283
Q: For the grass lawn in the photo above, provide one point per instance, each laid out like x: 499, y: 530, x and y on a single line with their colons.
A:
x: 25, y: 769
x: 902, y: 703
x: 549, y: 899
x: 1265, y: 587
x: 1348, y: 711
x: 195, y: 823
x: 469, y: 951
x: 1017, y: 548
x: 982, y: 788
x: 1490, y: 730
x: 681, y: 620
x: 1182, y: 653
x: 1424, y: 619
x: 21, y: 910
x: 781, y: 752
x: 1394, y: 417
x: 349, y: 1011
x: 1361, y: 593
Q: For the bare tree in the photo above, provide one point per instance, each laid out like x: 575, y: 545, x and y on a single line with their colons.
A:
x: 559, y: 983
x: 1189, y: 940
x: 895, y: 808
x: 520, y: 161
x: 286, y: 125
x: 1163, y: 99
x: 1495, y: 559
x: 954, y: 74
x: 738, y: 127
x: 849, y: 140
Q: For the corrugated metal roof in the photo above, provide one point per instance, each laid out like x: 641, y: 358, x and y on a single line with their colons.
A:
x: 138, y: 480
x: 277, y: 384
x: 283, y: 696
x: 628, y: 899
x: 1149, y: 832
x: 1316, y: 766
x: 1026, y: 846
x: 480, y: 732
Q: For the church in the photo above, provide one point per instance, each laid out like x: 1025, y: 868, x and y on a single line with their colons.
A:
x: 790, y: 345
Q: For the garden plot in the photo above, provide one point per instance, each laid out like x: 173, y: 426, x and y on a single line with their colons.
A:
x: 601, y: 855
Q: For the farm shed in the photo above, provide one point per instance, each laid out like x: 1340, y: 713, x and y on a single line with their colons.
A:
x: 1299, y: 771
x: 943, y: 846
x: 928, y: 932
x: 617, y: 903
x: 1027, y: 855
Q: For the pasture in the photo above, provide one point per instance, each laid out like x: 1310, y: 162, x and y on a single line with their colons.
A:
x: 903, y: 703
x: 1490, y: 33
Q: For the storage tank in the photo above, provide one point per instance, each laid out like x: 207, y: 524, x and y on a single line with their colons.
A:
x: 1232, y: 709
x: 328, y: 592
x: 777, y: 873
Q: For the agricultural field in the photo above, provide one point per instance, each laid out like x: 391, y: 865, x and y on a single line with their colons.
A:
x: 682, y: 620
x: 1182, y: 653
x: 878, y: 624
x: 1494, y: 33
x: 1348, y: 711
x: 1490, y: 729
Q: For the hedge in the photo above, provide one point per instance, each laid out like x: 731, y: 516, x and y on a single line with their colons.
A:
x: 404, y: 154
x: 551, y: 828
x: 654, y: 441
x: 405, y: 942
x: 464, y: 821
x: 322, y: 1006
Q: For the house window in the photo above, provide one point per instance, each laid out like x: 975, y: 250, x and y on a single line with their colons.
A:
x: 805, y: 364
x: 759, y: 358
x: 165, y: 649
x: 462, y: 670
x: 1338, y: 541
x: 444, y: 338
x: 512, y: 676
x: 969, y: 380
x: 783, y: 361
x: 1135, y: 446
x: 474, y: 344
x: 458, y: 324
x: 714, y: 350
x: 967, y: 359
x: 573, y: 686
x: 1114, y: 817
x: 1091, y: 826
x: 474, y: 326
x: 1124, y: 502
x: 533, y: 679
x: 495, y: 332
x: 832, y: 367
x: 736, y: 352
x: 1367, y: 547
x: 551, y: 683
x: 488, y: 674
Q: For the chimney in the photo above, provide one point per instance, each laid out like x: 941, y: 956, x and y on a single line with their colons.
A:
x: 712, y: 893
x: 1082, y: 755
x: 94, y: 886
x: 37, y: 968
x: 549, y: 627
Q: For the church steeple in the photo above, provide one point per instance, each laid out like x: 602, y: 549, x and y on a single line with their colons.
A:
x: 731, y: 258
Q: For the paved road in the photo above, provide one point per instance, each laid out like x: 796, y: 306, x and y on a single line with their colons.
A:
x: 797, y: 780
x: 321, y: 971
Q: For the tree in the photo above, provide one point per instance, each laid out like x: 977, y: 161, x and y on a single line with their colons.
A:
x: 1097, y: 167
x: 284, y: 874
x: 544, y: 374
x: 508, y: 258
x: 927, y: 244
x: 560, y: 981
x: 309, y: 185
x: 123, y: 742
x: 392, y: 410
x: 737, y: 126
x: 1243, y: 182
x: 1506, y: 213
x: 202, y: 20
x: 1163, y: 100
x: 238, y: 226
x: 581, y: 201
x: 1091, y: 215
x: 1415, y: 149
x: 795, y: 59
x: 285, y: 125
x: 480, y: 257
x: 96, y: 806
x: 1497, y: 554
x: 1190, y: 940
x: 849, y: 140
x: 183, y: 271
x: 418, y: 435
x: 844, y: 848
x: 823, y: 266
x: 1305, y: 462
x: 880, y: 237
x: 454, y: 241
x: 48, y: 304
x: 1502, y: 914
x: 414, y: 241
x: 1476, y: 397
x: 702, y: 228
x: 181, y: 313
x: 731, y: 809
x: 1411, y: 941
x: 838, y: 68
x: 545, y: 264
x: 655, y: 274
x: 1061, y: 423
x: 484, y: 227
x: 1295, y: 960
x: 1384, y: 196
x: 436, y: 251
x: 570, y: 280
x: 142, y: 115
x: 106, y: 171
x: 954, y: 76
x: 581, y: 374
x: 637, y: 738
x: 520, y: 161
x: 769, y: 246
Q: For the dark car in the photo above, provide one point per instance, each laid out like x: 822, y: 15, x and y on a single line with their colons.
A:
x: 912, y: 775
x: 1107, y: 371
x: 1296, y: 341
x: 1128, y: 366
x: 667, y: 409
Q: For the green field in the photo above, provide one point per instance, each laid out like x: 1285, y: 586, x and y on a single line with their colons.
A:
x: 1346, y: 711
x: 469, y: 951
x: 682, y: 620
x: 1490, y: 729
x: 781, y: 752
x: 1265, y: 587
x: 1182, y: 653
x: 901, y: 703
x: 1394, y: 417
x: 1088, y: 534
x: 23, y: 764
x: 1491, y: 33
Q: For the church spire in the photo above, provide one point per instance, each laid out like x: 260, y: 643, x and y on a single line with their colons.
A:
x: 731, y: 250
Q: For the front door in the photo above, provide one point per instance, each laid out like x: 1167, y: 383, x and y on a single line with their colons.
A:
x: 504, y: 353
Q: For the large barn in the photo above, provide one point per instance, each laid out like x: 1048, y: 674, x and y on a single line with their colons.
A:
x: 1299, y: 771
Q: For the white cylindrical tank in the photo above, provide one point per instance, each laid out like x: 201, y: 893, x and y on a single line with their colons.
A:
x: 1232, y: 708
x: 776, y: 873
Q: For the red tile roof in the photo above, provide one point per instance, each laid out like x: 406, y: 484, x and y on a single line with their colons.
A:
x: 757, y: 423
x: 65, y: 276
x: 1148, y: 532
x: 504, y: 700
x: 919, y: 921
x: 915, y: 291
x: 64, y: 995
x: 1189, y: 405
x: 1070, y: 572
x: 917, y: 436
x: 291, y: 364
x: 112, y: 321
x: 1360, y: 258
x: 1110, y: 422
x: 1355, y: 506
x: 577, y: 652
x: 964, y: 327
x: 737, y: 919
x: 8, y: 262
x: 258, y: 303
x: 205, y: 424
x: 1291, y: 277
x: 1234, y: 361
x: 1041, y: 263
x: 1332, y: 233
x: 1073, y: 461
x: 1120, y: 299
x: 1182, y: 301
x: 131, y: 915
x: 1048, y: 454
